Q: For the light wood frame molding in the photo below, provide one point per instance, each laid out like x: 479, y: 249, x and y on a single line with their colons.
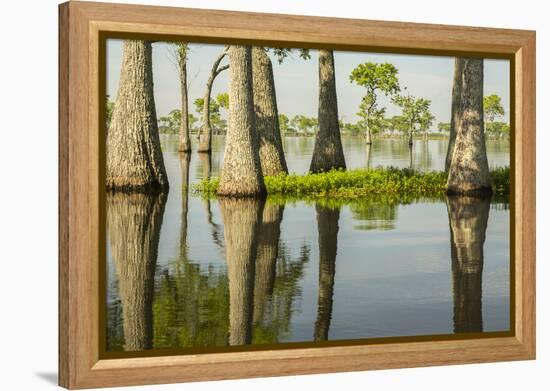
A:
x: 80, y: 27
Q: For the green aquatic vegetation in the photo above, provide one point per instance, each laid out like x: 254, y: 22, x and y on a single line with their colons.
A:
x: 398, y: 183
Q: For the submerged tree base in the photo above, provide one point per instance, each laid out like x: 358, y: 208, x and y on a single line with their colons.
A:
x: 362, y: 182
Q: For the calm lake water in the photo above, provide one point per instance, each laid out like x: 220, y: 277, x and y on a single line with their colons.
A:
x: 302, y: 272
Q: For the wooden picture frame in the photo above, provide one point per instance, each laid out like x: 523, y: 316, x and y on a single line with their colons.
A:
x: 82, y: 29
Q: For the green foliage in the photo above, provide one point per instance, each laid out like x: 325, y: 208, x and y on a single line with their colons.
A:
x: 284, y: 124
x: 283, y: 53
x: 444, y: 126
x: 415, y: 112
x: 304, y: 125
x: 220, y: 102
x: 497, y: 129
x: 492, y: 107
x: 374, y: 78
x: 354, y: 184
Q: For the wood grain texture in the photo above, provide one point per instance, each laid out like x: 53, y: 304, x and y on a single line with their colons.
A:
x: 81, y: 177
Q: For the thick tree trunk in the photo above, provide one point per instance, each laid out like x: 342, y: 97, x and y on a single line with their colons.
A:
x: 272, y: 156
x: 327, y: 225
x: 327, y: 152
x: 205, y: 133
x: 455, y: 110
x: 133, y: 226
x: 468, y: 218
x: 469, y: 169
x: 241, y: 219
x: 242, y: 172
x: 134, y: 157
x: 266, y: 258
x: 185, y: 141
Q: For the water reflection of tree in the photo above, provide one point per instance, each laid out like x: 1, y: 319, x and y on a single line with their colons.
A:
x: 374, y: 214
x: 327, y: 226
x: 193, y: 304
x: 133, y: 224
x: 242, y: 219
x: 468, y: 223
x: 205, y: 171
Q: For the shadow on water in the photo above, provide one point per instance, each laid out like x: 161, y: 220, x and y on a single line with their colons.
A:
x: 468, y: 218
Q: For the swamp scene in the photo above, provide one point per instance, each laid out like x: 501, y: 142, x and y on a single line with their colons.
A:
x: 261, y: 196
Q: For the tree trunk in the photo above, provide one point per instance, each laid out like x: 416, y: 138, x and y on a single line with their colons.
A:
x: 468, y: 218
x: 410, y: 139
x: 469, y: 169
x: 134, y: 156
x: 266, y: 258
x: 327, y: 225
x: 272, y: 156
x: 368, y: 136
x: 241, y: 174
x: 205, y: 133
x: 241, y: 219
x: 455, y: 110
x: 368, y: 148
x: 410, y: 156
x: 133, y: 226
x: 327, y: 152
x: 184, y: 165
x: 185, y: 141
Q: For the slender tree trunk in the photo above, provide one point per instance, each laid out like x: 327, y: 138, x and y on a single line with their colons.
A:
x: 133, y: 226
x: 410, y: 139
x: 185, y: 141
x: 184, y: 165
x: 327, y: 225
x: 468, y: 218
x: 469, y: 169
x: 242, y: 172
x: 410, y: 156
x: 241, y: 219
x: 327, y: 152
x: 134, y: 157
x: 368, y: 148
x: 205, y: 133
x: 272, y: 156
x: 455, y: 109
x: 266, y: 259
x: 368, y: 135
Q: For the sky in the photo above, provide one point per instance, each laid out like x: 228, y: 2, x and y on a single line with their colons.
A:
x: 296, y: 80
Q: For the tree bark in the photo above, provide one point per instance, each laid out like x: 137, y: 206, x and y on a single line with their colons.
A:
x: 455, y: 109
x: 241, y: 219
x: 266, y: 258
x: 327, y: 225
x: 469, y: 168
x: 133, y: 226
x: 468, y: 218
x: 327, y: 152
x: 134, y: 156
x: 205, y: 133
x: 185, y: 141
x: 241, y: 174
x: 272, y: 156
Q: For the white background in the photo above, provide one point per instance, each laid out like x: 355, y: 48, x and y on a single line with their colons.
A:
x: 28, y: 215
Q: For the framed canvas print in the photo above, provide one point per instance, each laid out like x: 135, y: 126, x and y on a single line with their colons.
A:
x: 247, y: 195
